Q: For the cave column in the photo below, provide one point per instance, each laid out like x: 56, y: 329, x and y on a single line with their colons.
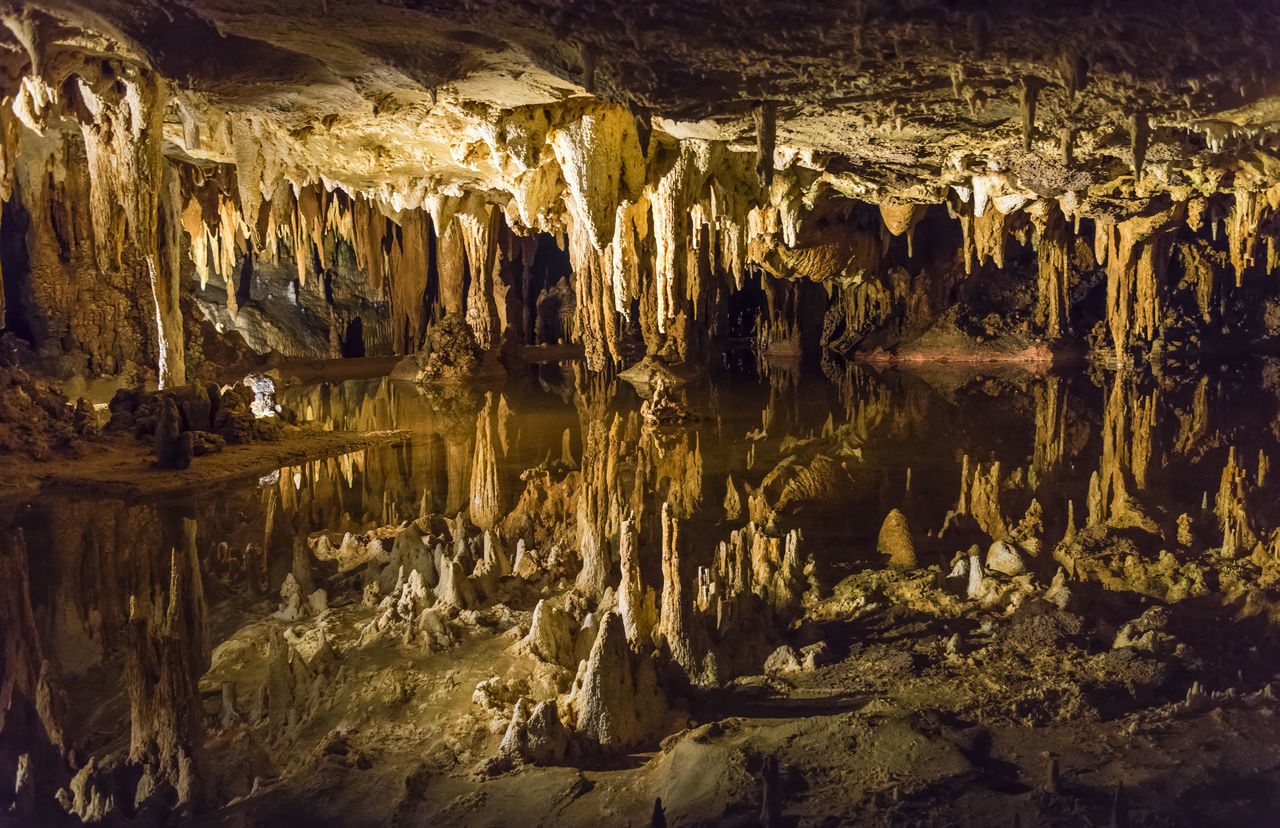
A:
x: 165, y: 270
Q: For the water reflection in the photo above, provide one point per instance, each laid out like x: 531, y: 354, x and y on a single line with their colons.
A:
x: 112, y: 608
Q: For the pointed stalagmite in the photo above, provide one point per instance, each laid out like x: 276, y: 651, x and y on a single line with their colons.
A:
x: 609, y: 707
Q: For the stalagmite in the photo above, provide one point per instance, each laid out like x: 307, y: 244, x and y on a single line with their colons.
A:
x: 895, y: 541
x: 550, y: 635
x: 619, y: 701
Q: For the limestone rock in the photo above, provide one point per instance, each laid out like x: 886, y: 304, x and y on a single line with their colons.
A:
x: 615, y: 704
x: 895, y: 541
x: 550, y: 635
x: 1005, y: 558
x: 785, y: 659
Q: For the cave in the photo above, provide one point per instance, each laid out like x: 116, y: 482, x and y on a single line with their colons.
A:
x: 505, y: 412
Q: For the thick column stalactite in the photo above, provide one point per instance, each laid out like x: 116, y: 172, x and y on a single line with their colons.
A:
x: 481, y: 225
x: 450, y: 260
x: 165, y: 271
x: 1053, y: 259
x: 407, y: 276
x: 123, y: 131
x: 1135, y: 253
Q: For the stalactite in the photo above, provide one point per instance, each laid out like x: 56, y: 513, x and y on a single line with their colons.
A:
x: 10, y: 135
x: 1028, y: 90
x: 599, y: 155
x: 1135, y: 253
x: 593, y: 309
x: 481, y: 224
x: 766, y: 118
x: 165, y: 271
x: 990, y: 236
x: 902, y: 219
x: 1139, y: 139
x: 1242, y: 230
x: 677, y: 189
x: 630, y: 233
x: 1053, y: 257
x: 123, y: 132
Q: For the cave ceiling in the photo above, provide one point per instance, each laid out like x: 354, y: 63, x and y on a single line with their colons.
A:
x: 890, y: 101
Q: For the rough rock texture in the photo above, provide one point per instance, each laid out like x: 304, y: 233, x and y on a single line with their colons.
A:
x: 421, y: 144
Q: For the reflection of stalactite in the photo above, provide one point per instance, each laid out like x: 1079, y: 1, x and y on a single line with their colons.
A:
x: 1239, y: 535
x: 168, y: 651
x: 25, y: 681
x: 458, y: 455
x: 1128, y: 434
x: 486, y: 479
x: 597, y: 497
x: 980, y: 497
x: 1051, y: 423
x: 673, y: 623
x: 1194, y: 424
x: 636, y: 603
x: 670, y: 465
